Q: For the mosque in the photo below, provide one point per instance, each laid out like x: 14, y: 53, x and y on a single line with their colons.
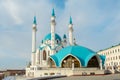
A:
x: 58, y: 55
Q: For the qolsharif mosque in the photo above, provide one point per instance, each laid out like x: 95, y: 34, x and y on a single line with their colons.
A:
x: 58, y: 55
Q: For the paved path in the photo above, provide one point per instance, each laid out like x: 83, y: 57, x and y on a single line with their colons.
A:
x: 102, y: 77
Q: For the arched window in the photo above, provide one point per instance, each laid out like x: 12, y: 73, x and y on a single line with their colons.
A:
x: 93, y: 62
x: 44, y: 55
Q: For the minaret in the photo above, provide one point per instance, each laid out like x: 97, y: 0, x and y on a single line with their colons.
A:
x: 53, y: 23
x: 70, y: 32
x: 34, y: 30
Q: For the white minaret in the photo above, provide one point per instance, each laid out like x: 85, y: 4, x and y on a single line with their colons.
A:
x: 53, y: 23
x: 70, y: 32
x: 34, y: 30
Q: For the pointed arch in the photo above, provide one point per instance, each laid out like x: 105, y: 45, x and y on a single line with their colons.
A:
x: 51, y: 63
x: 68, y: 60
x: 93, y: 62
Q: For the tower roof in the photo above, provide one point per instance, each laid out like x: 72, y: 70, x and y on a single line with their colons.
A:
x: 53, y: 12
x: 64, y: 36
x: 34, y: 21
x: 70, y: 22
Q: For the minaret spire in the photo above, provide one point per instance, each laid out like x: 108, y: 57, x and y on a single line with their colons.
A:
x: 70, y: 31
x: 70, y: 22
x: 35, y: 21
x: 53, y: 23
x: 53, y: 12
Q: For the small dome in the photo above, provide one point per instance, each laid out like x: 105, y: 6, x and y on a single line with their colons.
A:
x: 64, y: 36
x: 48, y: 37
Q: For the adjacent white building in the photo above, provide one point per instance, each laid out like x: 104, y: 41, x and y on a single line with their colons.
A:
x: 112, y: 54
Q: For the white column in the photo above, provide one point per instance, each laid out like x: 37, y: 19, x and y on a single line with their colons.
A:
x: 101, y: 65
x: 33, y: 59
x: 72, y: 64
x: 40, y: 58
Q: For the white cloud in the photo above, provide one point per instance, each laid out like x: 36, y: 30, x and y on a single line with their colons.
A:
x: 13, y: 9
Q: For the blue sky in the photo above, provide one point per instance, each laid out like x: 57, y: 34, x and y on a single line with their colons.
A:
x: 96, y: 25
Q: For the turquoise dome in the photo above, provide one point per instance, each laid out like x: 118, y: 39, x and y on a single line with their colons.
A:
x: 48, y: 37
x: 83, y: 54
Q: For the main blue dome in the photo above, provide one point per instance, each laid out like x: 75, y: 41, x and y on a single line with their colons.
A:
x: 82, y: 53
x: 48, y: 37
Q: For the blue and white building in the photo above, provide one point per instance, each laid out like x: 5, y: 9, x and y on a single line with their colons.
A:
x: 57, y: 54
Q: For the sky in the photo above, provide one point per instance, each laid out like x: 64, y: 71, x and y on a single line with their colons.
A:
x: 96, y: 25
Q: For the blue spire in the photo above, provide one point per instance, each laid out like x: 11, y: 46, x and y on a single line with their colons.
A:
x: 70, y: 22
x: 34, y: 21
x: 53, y: 12
x: 64, y: 36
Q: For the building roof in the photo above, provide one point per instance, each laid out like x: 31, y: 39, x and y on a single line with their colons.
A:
x: 109, y: 47
x: 81, y: 53
x: 48, y: 37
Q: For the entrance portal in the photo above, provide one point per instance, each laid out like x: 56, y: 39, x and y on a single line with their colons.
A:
x: 93, y: 62
x: 69, y: 61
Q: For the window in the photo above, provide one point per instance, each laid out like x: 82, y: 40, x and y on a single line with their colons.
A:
x: 57, y: 41
x: 44, y: 55
x: 118, y: 50
x: 108, y: 52
x: 113, y: 51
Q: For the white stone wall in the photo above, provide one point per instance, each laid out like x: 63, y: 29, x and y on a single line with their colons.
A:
x: 63, y: 71
x: 37, y: 57
x: 112, y: 57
